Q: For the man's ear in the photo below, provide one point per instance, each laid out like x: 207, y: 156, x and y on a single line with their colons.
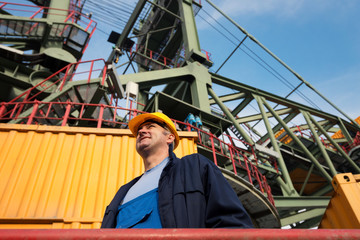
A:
x: 170, y: 138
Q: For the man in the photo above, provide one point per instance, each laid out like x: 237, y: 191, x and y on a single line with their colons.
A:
x: 190, y: 192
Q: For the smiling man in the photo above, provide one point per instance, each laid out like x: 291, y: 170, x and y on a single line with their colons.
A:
x: 190, y: 192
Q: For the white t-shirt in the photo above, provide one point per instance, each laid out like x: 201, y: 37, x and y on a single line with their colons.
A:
x: 148, y: 181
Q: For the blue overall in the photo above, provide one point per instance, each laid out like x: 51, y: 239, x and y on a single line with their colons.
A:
x: 141, y: 212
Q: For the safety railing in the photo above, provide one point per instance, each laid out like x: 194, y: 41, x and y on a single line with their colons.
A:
x: 302, y: 133
x: 72, y: 114
x: 207, y: 54
x: 61, y: 113
x: 76, y: 29
x: 183, y: 234
x: 150, y: 57
x: 56, y: 81
x: 356, y: 142
x: 32, y: 12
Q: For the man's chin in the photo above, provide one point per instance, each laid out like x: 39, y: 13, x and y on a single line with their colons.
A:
x: 143, y: 147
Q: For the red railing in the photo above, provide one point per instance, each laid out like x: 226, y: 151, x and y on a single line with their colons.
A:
x: 70, y: 16
x: 356, y: 142
x: 177, y: 234
x: 208, y: 54
x: 49, y: 111
x: 153, y: 57
x: 32, y: 11
x: 68, y: 74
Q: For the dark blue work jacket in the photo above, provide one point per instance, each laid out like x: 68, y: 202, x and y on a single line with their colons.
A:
x: 193, y: 193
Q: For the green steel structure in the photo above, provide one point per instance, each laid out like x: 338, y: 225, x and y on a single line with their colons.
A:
x: 282, y: 174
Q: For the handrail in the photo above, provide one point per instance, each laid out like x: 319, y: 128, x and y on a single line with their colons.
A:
x: 68, y: 77
x: 153, y: 56
x: 178, y: 233
x: 72, y: 16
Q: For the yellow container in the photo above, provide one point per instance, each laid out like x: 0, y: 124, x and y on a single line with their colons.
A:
x: 343, y: 210
x: 64, y: 177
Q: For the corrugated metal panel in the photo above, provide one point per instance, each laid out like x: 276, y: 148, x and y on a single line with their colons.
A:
x: 343, y: 210
x: 63, y: 177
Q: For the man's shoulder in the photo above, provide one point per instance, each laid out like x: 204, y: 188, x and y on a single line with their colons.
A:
x: 195, y: 158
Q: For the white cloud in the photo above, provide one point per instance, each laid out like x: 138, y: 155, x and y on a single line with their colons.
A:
x: 259, y: 7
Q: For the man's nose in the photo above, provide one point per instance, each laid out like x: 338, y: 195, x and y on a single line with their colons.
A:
x: 141, y: 130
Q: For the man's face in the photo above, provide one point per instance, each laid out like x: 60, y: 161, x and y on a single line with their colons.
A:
x: 152, y: 136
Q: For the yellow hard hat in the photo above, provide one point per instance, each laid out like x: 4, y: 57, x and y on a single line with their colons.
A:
x: 157, y: 117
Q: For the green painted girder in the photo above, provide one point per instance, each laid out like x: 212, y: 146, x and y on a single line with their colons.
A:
x: 217, y: 79
x: 256, y: 117
x: 229, y: 97
x: 278, y: 126
x: 282, y: 203
x: 194, y: 73
x: 180, y: 90
x: 303, y: 216
x: 190, y: 34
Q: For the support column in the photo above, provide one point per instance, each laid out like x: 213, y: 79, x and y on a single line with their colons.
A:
x: 230, y: 116
x: 319, y: 144
x: 341, y: 151
x: 189, y: 31
x: 295, y: 138
x: 275, y: 145
x: 58, y: 15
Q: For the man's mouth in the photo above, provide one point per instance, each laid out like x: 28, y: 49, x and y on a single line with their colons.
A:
x: 144, y: 137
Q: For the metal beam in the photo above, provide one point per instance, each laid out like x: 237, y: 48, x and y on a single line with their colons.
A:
x: 295, y: 138
x: 345, y: 132
x: 301, y: 202
x: 230, y: 117
x: 287, y: 119
x: 280, y: 159
x: 189, y: 30
x: 320, y: 145
x: 241, y: 106
x: 229, y: 97
x: 260, y: 116
x: 341, y: 151
x: 235, y: 85
x: 314, y: 213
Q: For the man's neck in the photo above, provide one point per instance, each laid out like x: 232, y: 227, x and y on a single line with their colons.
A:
x: 153, y: 160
